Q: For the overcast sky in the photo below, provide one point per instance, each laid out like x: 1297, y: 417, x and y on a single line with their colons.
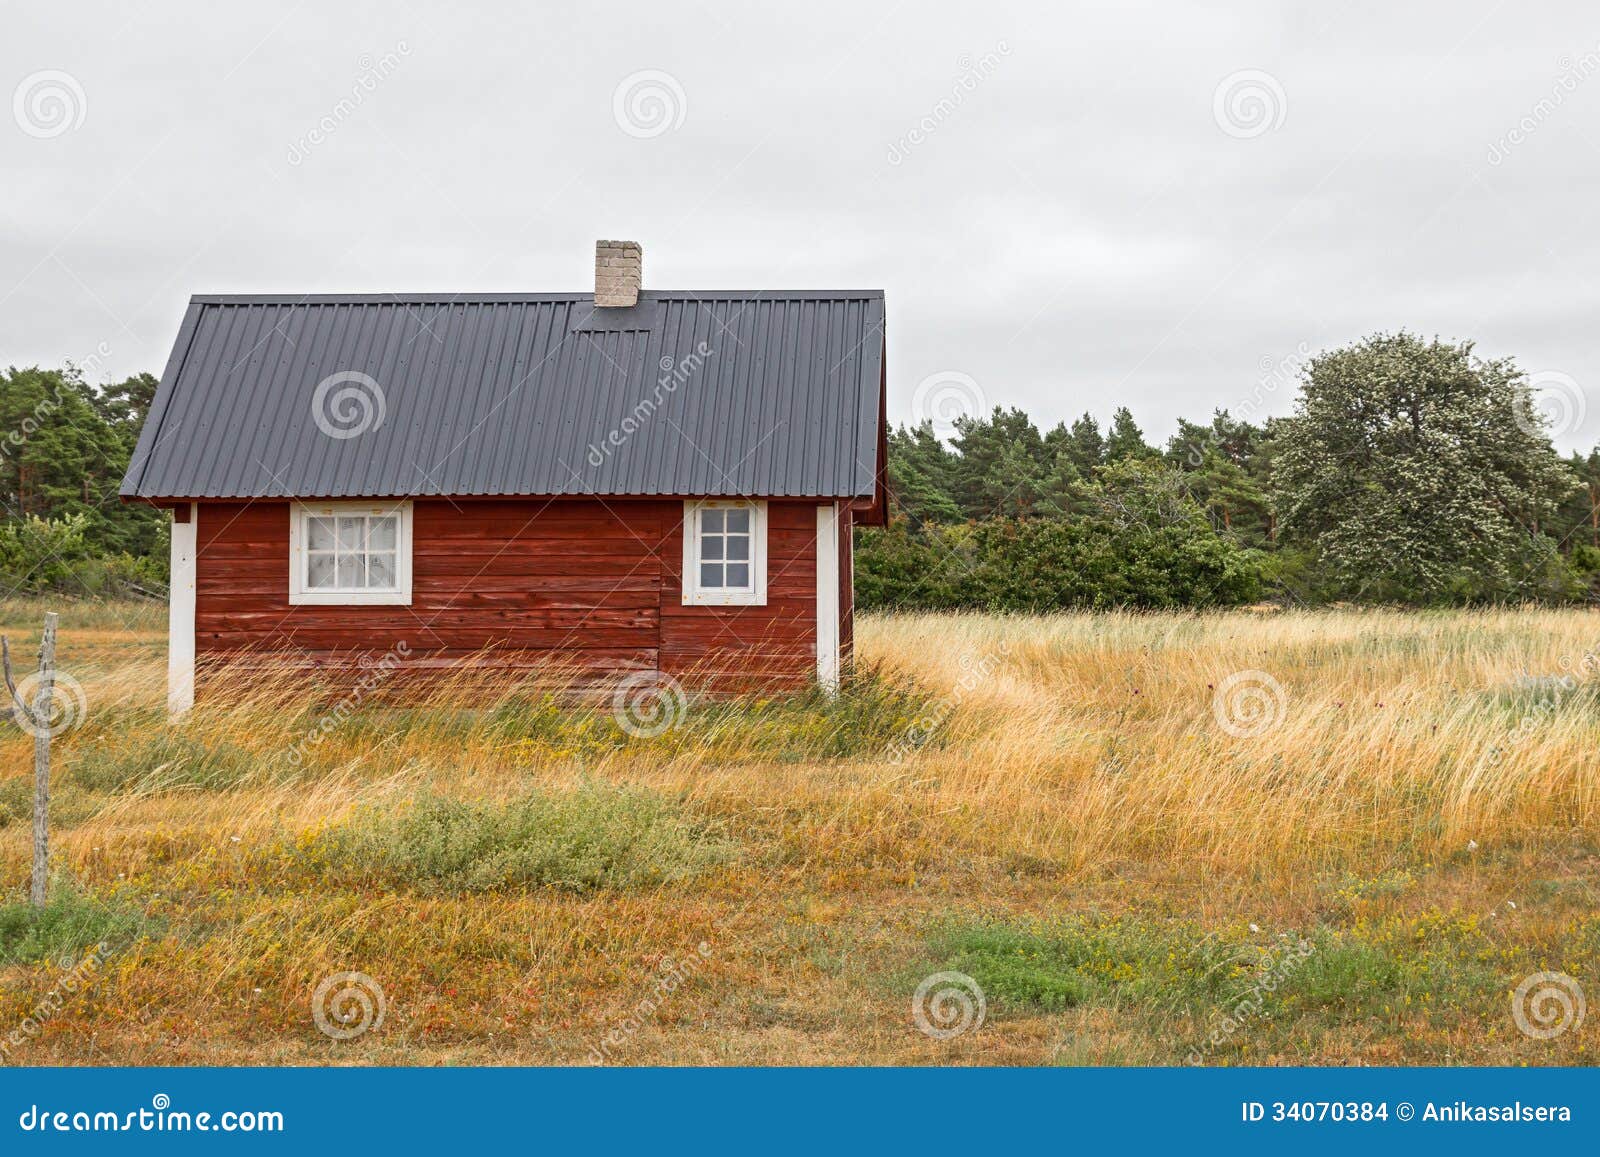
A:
x: 1069, y: 206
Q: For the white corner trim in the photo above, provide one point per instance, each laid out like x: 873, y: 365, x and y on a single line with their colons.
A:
x: 180, y: 615
x: 828, y: 597
x: 693, y: 594
x: 300, y: 596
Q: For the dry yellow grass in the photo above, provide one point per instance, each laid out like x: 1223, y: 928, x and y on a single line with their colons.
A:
x: 1384, y: 730
x: 1091, y: 793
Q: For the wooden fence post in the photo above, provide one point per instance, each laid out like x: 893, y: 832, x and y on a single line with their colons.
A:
x: 37, y: 719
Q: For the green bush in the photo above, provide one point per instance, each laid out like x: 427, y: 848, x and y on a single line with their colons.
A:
x: 43, y: 554
x: 1051, y: 564
x: 930, y: 568
x: 594, y: 836
x: 58, y: 554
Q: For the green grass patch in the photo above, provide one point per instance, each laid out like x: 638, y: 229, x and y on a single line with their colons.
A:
x: 871, y: 713
x: 1048, y: 966
x: 68, y: 926
x: 1340, y: 971
x: 16, y: 800
x: 591, y: 837
x: 21, y: 615
x: 1437, y: 965
x: 69, y: 805
x: 164, y: 761
x: 1536, y: 698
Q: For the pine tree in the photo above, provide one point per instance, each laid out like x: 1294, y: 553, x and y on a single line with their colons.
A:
x: 65, y: 450
x: 920, y: 476
x: 1125, y: 440
x: 1001, y: 464
x: 1086, y: 446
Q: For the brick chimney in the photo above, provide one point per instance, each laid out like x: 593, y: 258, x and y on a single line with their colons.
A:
x: 618, y: 271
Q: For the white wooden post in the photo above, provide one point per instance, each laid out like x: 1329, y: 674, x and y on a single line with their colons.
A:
x: 180, y: 614
x: 828, y: 597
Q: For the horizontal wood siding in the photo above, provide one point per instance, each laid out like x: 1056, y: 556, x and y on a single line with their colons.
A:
x: 577, y: 580
x: 590, y: 583
x: 769, y: 646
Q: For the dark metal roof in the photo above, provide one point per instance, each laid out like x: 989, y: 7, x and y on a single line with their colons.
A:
x: 755, y: 394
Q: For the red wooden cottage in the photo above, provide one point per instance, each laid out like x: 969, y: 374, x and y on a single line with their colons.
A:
x: 624, y: 480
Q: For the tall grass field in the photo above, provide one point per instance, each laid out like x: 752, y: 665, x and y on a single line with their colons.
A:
x: 1336, y: 837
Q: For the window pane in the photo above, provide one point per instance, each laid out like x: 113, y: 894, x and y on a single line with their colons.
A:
x: 711, y: 521
x: 739, y: 574
x: 739, y: 547
x: 380, y: 571
x: 319, y: 573
x: 739, y: 521
x: 711, y: 574
x: 381, y: 533
x: 711, y: 547
x: 352, y: 571
x: 350, y: 533
x: 319, y: 534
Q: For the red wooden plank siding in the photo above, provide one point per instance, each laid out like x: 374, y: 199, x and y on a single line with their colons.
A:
x: 774, y: 645
x: 592, y: 583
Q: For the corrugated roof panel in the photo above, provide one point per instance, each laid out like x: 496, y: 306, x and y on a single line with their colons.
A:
x: 506, y: 394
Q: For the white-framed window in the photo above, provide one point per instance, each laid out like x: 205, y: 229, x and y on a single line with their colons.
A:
x: 350, y: 554
x: 724, y: 553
